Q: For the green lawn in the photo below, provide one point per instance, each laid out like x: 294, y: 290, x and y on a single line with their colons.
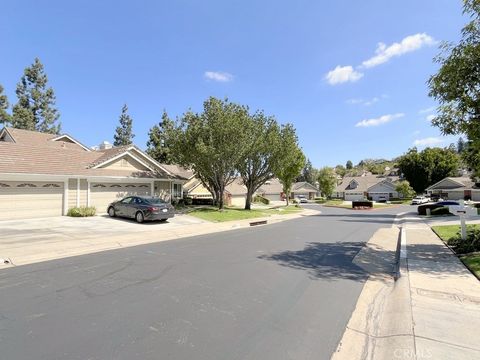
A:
x: 228, y: 214
x: 446, y: 232
x: 473, y: 263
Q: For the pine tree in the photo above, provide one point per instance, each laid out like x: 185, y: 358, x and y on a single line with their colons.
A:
x: 35, y: 109
x: 158, y: 146
x: 123, y: 133
x: 5, y: 117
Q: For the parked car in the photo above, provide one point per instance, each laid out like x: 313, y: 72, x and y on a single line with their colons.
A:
x: 417, y: 200
x: 382, y: 199
x: 302, y: 199
x: 422, y: 209
x: 141, y: 208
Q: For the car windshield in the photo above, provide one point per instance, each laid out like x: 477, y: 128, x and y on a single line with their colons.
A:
x: 155, y: 200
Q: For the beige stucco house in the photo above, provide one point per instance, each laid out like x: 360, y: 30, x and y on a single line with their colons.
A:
x: 455, y: 188
x: 45, y: 175
x: 374, y: 187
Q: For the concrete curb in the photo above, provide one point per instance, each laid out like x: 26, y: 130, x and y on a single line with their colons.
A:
x: 381, y: 326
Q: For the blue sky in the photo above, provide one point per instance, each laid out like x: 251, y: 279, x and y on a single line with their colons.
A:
x: 288, y: 58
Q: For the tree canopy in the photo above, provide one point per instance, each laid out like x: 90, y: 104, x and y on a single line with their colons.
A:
x: 308, y: 174
x: 5, y: 117
x: 124, y: 132
x: 35, y: 109
x: 456, y: 85
x: 158, y: 144
x: 211, y: 143
x: 429, y: 166
x: 291, y: 159
x: 327, y: 180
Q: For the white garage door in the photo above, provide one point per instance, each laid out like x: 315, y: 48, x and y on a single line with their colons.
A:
x: 22, y: 200
x: 354, y: 196
x: 102, y: 194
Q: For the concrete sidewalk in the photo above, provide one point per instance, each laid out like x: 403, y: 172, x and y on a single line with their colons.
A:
x: 431, y: 312
x: 445, y: 298
x: 20, y: 248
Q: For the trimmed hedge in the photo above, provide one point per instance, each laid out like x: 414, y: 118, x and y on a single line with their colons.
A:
x: 441, y: 211
x: 261, y: 199
x: 362, y: 204
x: 82, y: 211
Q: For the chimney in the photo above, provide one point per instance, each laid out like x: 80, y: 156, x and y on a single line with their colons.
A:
x: 105, y: 145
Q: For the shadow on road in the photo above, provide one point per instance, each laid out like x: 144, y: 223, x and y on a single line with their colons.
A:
x: 329, y: 261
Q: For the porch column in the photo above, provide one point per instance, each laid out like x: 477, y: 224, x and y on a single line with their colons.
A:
x: 65, y: 197
x: 88, y: 193
x: 78, y: 192
x: 152, y: 188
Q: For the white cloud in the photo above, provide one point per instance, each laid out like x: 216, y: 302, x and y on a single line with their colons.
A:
x: 430, y: 117
x: 428, y: 141
x: 410, y: 43
x: 416, y: 132
x: 366, y: 102
x: 379, y: 121
x: 427, y: 110
x: 218, y: 76
x: 342, y: 74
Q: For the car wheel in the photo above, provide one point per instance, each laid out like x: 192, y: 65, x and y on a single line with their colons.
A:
x: 111, y: 212
x: 139, y: 217
x: 162, y: 220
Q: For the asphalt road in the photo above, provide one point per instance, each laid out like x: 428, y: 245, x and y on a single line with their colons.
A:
x: 283, y: 291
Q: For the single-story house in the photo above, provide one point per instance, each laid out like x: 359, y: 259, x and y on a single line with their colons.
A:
x: 455, y: 188
x: 368, y: 186
x: 273, y: 190
x: 304, y: 188
x: 235, y: 192
x: 46, y: 175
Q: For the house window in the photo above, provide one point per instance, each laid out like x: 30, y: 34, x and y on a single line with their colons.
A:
x: 4, y: 185
x: 130, y: 186
x: 115, y: 185
x: 177, y: 190
x: 143, y: 186
x: 99, y: 186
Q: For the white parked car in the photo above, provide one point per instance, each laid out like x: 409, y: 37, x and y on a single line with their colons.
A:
x: 302, y: 199
x: 417, y: 200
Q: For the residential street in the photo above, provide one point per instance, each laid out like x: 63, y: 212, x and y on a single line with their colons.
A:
x: 282, y: 291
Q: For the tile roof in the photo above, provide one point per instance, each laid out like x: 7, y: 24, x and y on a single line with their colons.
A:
x: 35, y: 153
x: 364, y: 182
x: 179, y: 171
x: 464, y: 183
x: 272, y: 186
x: 236, y: 187
x: 303, y: 185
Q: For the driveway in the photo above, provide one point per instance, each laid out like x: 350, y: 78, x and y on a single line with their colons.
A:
x: 32, y: 240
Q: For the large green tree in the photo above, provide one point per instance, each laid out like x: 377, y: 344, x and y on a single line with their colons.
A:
x: 349, y: 165
x: 212, y: 144
x: 124, y: 132
x: 291, y: 159
x: 308, y: 173
x: 35, y: 109
x: 262, y: 149
x: 404, y: 188
x: 158, y: 144
x: 456, y: 86
x: 429, y: 166
x: 5, y: 117
x: 327, y: 181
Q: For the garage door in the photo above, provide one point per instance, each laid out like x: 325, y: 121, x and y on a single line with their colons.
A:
x: 21, y: 200
x: 102, y: 194
x: 354, y: 196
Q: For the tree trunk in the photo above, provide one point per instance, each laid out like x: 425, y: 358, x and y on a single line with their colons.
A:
x: 248, y: 201
x: 287, y: 196
x: 220, y: 200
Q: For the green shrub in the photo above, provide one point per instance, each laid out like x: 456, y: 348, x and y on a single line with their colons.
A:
x: 82, y: 211
x: 470, y: 244
x: 261, y: 199
x: 188, y: 200
x: 441, y: 211
x: 320, y: 201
